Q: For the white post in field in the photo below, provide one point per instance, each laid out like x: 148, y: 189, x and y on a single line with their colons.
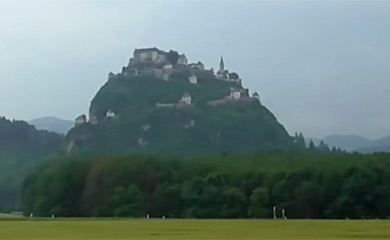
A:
x: 147, y: 216
x: 274, y: 209
x: 31, y: 215
x: 283, y: 214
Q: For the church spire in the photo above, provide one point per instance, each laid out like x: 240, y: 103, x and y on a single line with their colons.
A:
x: 221, y: 65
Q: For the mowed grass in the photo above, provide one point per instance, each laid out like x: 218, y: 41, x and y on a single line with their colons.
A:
x: 193, y: 229
x: 7, y: 215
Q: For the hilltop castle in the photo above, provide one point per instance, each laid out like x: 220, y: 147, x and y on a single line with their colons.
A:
x: 160, y: 64
x: 153, y: 62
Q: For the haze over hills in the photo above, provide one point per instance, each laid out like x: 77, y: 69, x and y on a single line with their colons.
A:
x: 52, y: 124
x: 160, y: 103
x: 355, y: 143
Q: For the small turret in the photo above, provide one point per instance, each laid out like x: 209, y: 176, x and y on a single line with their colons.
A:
x: 80, y: 120
x: 186, y: 99
x: 221, y: 65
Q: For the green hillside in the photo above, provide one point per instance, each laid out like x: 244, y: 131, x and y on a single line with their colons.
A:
x: 22, y: 148
x: 140, y: 126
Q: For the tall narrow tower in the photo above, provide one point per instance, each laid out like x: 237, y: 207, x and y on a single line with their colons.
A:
x: 221, y: 65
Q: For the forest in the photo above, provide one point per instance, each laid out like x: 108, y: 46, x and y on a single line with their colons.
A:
x: 307, y: 185
x: 22, y: 149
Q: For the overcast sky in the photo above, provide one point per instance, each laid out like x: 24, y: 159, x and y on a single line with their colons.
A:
x: 322, y: 67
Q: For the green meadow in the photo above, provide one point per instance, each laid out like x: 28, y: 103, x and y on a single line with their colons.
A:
x: 8, y: 215
x: 194, y: 229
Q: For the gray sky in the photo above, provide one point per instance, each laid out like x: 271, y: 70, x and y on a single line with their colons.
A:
x: 322, y: 67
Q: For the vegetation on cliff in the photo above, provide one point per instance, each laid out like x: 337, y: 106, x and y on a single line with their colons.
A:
x: 140, y: 126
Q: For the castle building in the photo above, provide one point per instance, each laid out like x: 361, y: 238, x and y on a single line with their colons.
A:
x: 152, y: 62
x: 150, y: 55
x: 168, y: 66
x: 235, y: 94
x: 182, y: 60
x: 80, y: 120
x: 193, y: 79
x: 199, y: 65
x: 156, y: 63
x: 186, y: 99
x: 110, y: 114
x: 146, y: 127
x: 256, y: 96
x: 222, y: 74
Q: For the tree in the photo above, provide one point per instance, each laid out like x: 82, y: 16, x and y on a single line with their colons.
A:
x: 233, y: 203
x: 312, y: 147
x: 299, y: 141
x: 307, y: 200
x: 127, y: 201
x: 167, y: 201
x: 306, y: 185
x: 322, y: 147
x: 260, y: 203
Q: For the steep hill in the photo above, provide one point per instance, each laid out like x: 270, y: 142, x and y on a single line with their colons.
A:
x: 52, y: 124
x: 22, y: 147
x: 191, y: 112
x: 18, y: 138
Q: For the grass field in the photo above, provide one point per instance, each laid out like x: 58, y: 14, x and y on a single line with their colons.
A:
x: 7, y: 215
x: 193, y: 229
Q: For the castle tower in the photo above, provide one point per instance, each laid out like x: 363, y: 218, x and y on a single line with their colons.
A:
x: 221, y: 65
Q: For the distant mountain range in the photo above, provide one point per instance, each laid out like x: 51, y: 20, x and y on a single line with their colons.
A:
x: 52, y: 124
x: 355, y: 143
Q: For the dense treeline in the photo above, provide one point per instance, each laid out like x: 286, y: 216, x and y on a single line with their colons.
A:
x: 22, y: 149
x: 21, y: 139
x: 305, y: 185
